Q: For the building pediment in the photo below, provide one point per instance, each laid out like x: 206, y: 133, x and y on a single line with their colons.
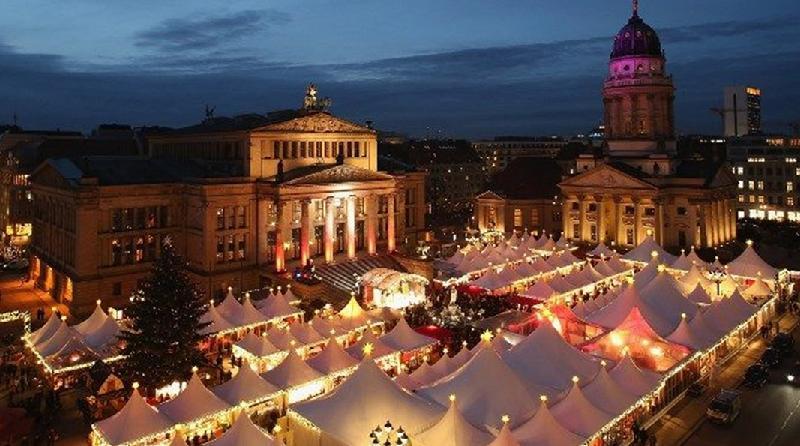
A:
x: 490, y: 195
x: 606, y: 177
x: 316, y: 123
x: 723, y: 178
x: 339, y: 174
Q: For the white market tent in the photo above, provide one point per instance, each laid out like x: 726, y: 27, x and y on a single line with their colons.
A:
x: 578, y: 415
x: 377, y: 347
x: 277, y: 306
x: 403, y: 338
x: 643, y: 252
x: 563, y: 361
x: 47, y: 330
x: 282, y: 339
x: 695, y: 277
x: 540, y: 291
x: 244, y: 433
x: 544, y: 430
x: 759, y: 288
x: 291, y: 372
x: 699, y: 295
x: 685, y: 335
x: 216, y: 322
x: 134, y: 421
x: 453, y: 430
x: 486, y: 389
x: 258, y: 346
x: 682, y: 262
x: 750, y: 264
x: 232, y: 310
x: 333, y: 359
x: 664, y: 295
x: 607, y: 395
x: 193, y: 403
x: 364, y: 400
x: 634, y: 380
x: 601, y: 250
x: 504, y: 438
x: 245, y: 388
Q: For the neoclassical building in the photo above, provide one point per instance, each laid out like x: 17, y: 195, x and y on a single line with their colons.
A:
x: 244, y: 198
x: 639, y: 186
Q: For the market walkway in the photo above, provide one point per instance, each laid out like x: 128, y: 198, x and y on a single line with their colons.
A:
x: 14, y: 295
x: 677, y: 426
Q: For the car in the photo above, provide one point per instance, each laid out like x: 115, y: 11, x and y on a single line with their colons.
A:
x: 793, y: 375
x: 725, y: 407
x: 771, y: 357
x: 756, y: 376
x: 697, y: 389
x: 783, y: 342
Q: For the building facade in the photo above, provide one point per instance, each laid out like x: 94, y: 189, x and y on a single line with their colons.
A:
x: 499, y: 152
x: 767, y: 176
x: 742, y: 112
x: 639, y: 186
x: 522, y: 197
x: 244, y: 200
x: 453, y: 171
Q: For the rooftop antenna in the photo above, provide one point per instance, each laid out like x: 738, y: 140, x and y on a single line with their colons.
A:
x: 636, y: 8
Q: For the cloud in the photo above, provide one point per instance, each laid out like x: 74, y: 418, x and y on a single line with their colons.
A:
x: 208, y: 32
x: 522, y: 89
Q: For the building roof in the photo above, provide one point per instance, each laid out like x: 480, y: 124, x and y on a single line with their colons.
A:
x: 31, y: 154
x: 636, y: 38
x: 119, y: 171
x: 528, y: 179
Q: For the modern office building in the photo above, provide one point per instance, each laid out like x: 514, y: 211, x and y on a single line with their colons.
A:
x: 768, y: 176
x: 497, y: 153
x: 742, y: 111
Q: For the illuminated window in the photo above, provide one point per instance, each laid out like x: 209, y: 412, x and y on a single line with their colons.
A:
x: 789, y: 186
x: 534, y: 217
x: 751, y: 184
x: 517, y: 218
x: 761, y: 199
x: 760, y: 185
x: 752, y: 198
x: 741, y: 184
x: 740, y: 170
x: 741, y: 198
x: 790, y: 201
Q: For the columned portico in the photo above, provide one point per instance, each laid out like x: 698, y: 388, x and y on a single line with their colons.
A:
x: 282, y: 234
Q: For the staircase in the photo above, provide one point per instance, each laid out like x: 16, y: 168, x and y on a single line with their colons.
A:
x: 344, y: 275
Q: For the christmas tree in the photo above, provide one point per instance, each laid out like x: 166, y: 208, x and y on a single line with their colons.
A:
x: 165, y: 312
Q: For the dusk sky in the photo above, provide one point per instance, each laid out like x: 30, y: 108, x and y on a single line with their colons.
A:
x: 469, y: 68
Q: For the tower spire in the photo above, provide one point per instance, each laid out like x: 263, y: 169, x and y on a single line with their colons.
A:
x: 636, y: 8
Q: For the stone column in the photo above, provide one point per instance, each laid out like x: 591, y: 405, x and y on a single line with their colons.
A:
x: 371, y: 204
x: 262, y: 228
x: 330, y: 228
x: 705, y: 225
x: 305, y: 231
x: 713, y: 228
x: 659, y: 229
x: 350, y: 227
x: 283, y: 233
x: 619, y: 209
x: 637, y: 222
x: 390, y: 230
x: 601, y: 219
x: 582, y: 222
x: 566, y: 219
x: 692, y: 211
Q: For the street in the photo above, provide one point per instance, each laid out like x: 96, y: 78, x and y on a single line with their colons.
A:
x: 770, y: 416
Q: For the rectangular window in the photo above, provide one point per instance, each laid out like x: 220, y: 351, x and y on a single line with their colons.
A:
x: 790, y: 201
x: 760, y: 185
x: 276, y: 149
x: 535, y: 217
x: 241, y: 216
x: 741, y: 184
x: 231, y: 217
x: 116, y: 289
x: 220, y: 249
x: 221, y: 218
x: 751, y: 185
x: 681, y: 210
x: 650, y: 212
x: 629, y: 236
x: 240, y: 252
x: 629, y: 210
x: 231, y: 246
x: 789, y: 186
x: 576, y: 231
x: 517, y: 218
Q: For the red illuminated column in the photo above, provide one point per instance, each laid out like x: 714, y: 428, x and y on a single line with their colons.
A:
x: 351, y: 226
x: 330, y: 228
x: 390, y: 234
x: 305, y: 231
x: 371, y: 203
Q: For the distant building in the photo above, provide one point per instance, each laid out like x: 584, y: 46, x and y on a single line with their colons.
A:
x: 245, y: 199
x: 742, y: 112
x: 524, y: 196
x: 500, y: 151
x: 768, y: 177
x: 23, y: 152
x: 454, y: 175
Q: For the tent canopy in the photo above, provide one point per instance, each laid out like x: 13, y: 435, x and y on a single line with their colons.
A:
x: 194, y: 402
x: 136, y: 420
x: 750, y: 264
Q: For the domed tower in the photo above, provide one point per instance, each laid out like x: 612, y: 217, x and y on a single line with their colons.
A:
x: 638, y: 94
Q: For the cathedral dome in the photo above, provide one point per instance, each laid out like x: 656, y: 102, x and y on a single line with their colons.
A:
x: 636, y: 38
